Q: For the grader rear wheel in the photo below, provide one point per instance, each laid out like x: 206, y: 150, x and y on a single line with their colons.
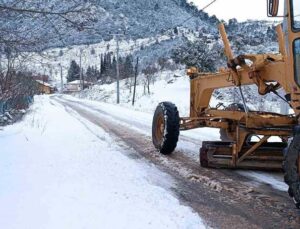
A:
x: 291, y: 166
x: 165, y: 127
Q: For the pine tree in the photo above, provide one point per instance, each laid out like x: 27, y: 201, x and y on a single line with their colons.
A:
x: 102, y: 65
x: 176, y: 30
x: 121, y: 68
x: 92, y: 74
x: 73, y: 72
x: 108, y: 61
x: 128, y: 67
x: 93, y: 52
x: 114, y: 67
x: 105, y: 64
x: 89, y: 74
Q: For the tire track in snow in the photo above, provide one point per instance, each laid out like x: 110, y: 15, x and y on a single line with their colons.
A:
x: 190, y: 147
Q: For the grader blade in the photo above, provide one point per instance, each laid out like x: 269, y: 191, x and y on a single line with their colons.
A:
x: 216, y: 154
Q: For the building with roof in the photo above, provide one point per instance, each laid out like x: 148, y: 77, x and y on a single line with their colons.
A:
x: 45, y: 88
x: 75, y: 86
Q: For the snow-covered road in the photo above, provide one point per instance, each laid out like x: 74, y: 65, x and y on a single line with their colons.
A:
x: 58, y: 171
x: 189, y: 143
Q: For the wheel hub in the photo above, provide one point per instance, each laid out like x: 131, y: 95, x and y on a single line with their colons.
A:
x: 160, y: 129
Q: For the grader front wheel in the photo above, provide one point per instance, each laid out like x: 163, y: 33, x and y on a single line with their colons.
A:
x: 291, y: 166
x: 165, y: 127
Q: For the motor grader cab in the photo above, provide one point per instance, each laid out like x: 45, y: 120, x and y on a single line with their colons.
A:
x: 238, y: 124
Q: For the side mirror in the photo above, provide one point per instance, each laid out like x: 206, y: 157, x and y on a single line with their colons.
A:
x: 273, y: 6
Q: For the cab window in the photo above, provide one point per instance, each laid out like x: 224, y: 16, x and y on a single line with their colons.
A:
x: 296, y: 14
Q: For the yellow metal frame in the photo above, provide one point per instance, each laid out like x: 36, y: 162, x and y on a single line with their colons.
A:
x: 268, y: 72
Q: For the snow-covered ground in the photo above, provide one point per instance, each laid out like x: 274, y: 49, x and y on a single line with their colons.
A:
x: 275, y: 180
x: 59, y: 171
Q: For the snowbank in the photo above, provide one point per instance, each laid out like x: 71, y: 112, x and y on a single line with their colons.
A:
x: 60, y: 171
x: 170, y: 86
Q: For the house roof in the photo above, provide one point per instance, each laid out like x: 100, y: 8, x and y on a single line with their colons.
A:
x: 45, y: 84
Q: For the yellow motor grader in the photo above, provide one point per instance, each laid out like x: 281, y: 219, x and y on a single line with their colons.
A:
x: 238, y: 124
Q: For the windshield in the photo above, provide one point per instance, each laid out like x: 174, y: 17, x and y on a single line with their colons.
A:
x: 296, y: 14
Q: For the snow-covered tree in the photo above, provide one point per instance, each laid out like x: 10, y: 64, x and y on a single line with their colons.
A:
x: 149, y: 72
x: 92, y: 74
x: 197, y: 54
x: 73, y: 72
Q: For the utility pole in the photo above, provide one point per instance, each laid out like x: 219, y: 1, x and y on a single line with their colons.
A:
x: 100, y: 62
x: 61, y: 79
x: 135, y: 76
x: 118, y: 70
x: 44, y: 75
x: 80, y: 71
x: 0, y: 62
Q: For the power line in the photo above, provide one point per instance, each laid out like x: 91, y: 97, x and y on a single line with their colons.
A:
x: 189, y: 18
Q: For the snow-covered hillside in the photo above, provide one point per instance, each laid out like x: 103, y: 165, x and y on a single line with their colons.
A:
x: 100, y: 19
x: 49, y: 61
x: 246, y: 37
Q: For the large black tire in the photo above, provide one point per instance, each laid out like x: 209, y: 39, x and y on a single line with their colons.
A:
x: 165, y: 127
x: 291, y: 167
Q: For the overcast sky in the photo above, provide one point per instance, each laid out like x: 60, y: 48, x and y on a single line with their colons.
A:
x: 240, y: 9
